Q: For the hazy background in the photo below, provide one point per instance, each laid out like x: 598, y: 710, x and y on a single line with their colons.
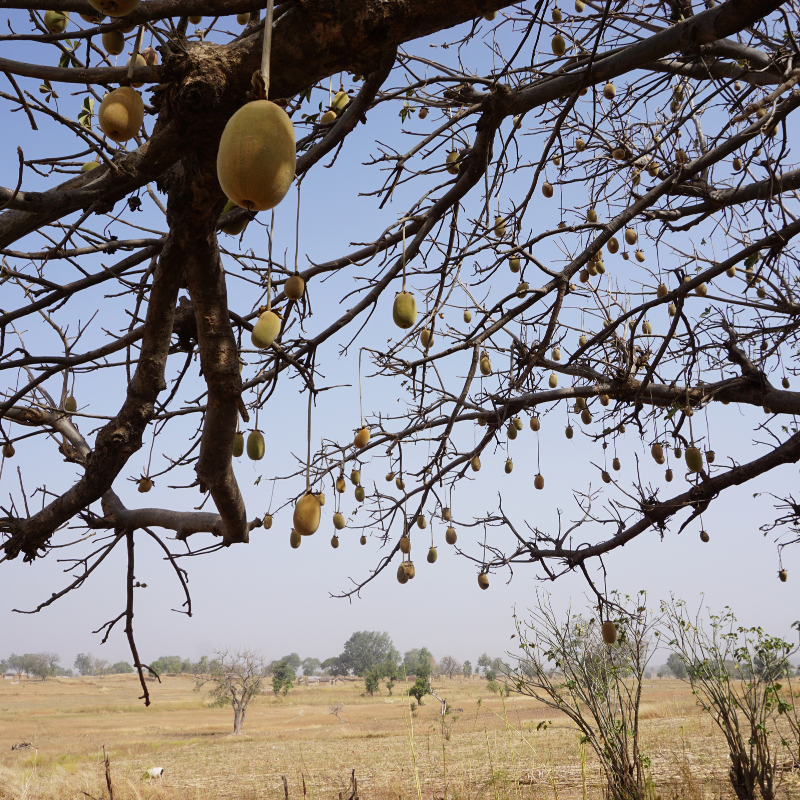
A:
x: 268, y: 596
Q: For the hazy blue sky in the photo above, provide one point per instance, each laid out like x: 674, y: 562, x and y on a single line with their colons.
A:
x: 268, y: 596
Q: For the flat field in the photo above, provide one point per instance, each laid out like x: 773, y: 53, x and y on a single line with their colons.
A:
x: 489, y: 747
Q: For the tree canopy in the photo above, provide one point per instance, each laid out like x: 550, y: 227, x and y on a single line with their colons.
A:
x: 596, y: 223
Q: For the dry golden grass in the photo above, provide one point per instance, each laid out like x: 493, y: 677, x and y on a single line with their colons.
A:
x: 493, y: 751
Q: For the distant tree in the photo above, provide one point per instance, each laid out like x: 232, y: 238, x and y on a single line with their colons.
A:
x: 489, y: 674
x: 310, y: 666
x: 467, y: 669
x: 172, y: 665
x: 365, y: 649
x: 419, y: 662
x: 676, y: 666
x: 372, y: 680
x: 120, y: 668
x: 16, y: 664
x: 282, y: 676
x: 43, y: 664
x: 449, y: 665
x: 84, y: 663
x: 4, y: 666
x: 484, y: 662
x: 293, y: 660
x: 421, y: 687
x: 236, y: 677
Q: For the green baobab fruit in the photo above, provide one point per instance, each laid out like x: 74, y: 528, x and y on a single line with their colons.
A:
x: 662, y: 290
x: 340, y: 100
x: 579, y: 6
x: 609, y: 91
x: 499, y: 227
x: 328, y: 116
x: 701, y: 290
x: 647, y: 328
x: 783, y: 575
x: 616, y: 465
x: 631, y: 236
x: 609, y: 632
x: 586, y: 416
x: 432, y: 555
x: 591, y: 215
x: 362, y: 438
x: 535, y: 424
x: 446, y: 514
x: 668, y: 476
x: 334, y: 541
x: 389, y: 476
x: 673, y: 310
x: 360, y: 494
x: 70, y: 405
x: 580, y: 145
x: 483, y: 580
x: 338, y: 521
x: 559, y: 45
x: 785, y: 383
x: 401, y: 575
x: 355, y: 477
x: 256, y: 156
x: 490, y: 15
x: 255, y: 446
x: 404, y: 311
x: 552, y: 381
x: 140, y: 62
x: 556, y: 354
x: 640, y: 257
x: 195, y: 20
x: 294, y: 287
x: 704, y: 537
x: 710, y: 456
x: 307, y: 514
x: 613, y: 245
x: 486, y: 364
x: 569, y: 433
x: 657, y: 451
x: 295, y: 539
x: 144, y: 484
x: 425, y: 338
x: 266, y: 330
x: 731, y: 271
x: 694, y: 459
x: 605, y: 476
x: 400, y: 484
x: 422, y: 523
x: 340, y: 484
x: 450, y: 535
x: 604, y: 399
x: 761, y: 292
x: 121, y: 114
x: 8, y: 450
x: 405, y: 544
x: 55, y: 21
x: 235, y: 228
x: 267, y: 521
x: 409, y: 570
x: 509, y: 466
x: 467, y: 316
x: 678, y: 452
x: 511, y: 432
x: 113, y: 42
x: 475, y: 463
x: 556, y: 14
x: 243, y: 19
x: 547, y: 189
x: 363, y: 539
x: 580, y: 403
x: 452, y: 166
x: 517, y: 423
x: 514, y: 263
x: 89, y: 166
x: 636, y: 177
x: 238, y: 444
x: 538, y: 482
x: 522, y: 289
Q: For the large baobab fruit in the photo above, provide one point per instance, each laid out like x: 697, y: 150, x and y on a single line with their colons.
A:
x: 55, y: 21
x: 483, y: 580
x: 432, y: 555
x: 609, y: 632
x: 559, y: 45
x: 338, y: 521
x: 547, y: 189
x: 255, y: 446
x: 238, y: 444
x: 121, y: 114
x: 266, y: 330
x: 256, y: 156
x: 294, y: 287
x: 113, y: 42
x: 307, y: 514
x: 694, y: 459
x: 450, y: 535
x: 362, y: 438
x: 404, y: 310
x: 535, y: 424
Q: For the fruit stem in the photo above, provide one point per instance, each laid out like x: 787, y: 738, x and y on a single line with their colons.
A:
x: 360, y: 397
x: 403, y: 223
x: 267, y: 48
x: 137, y: 46
x: 297, y: 228
x: 308, y: 452
x: 269, y: 262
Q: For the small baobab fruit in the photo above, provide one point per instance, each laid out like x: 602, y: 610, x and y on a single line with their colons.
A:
x: 238, y: 444
x: 615, y: 464
x: 657, y: 451
x: 559, y: 45
x: 631, y: 236
x: 535, y: 424
x: 452, y: 166
x: 140, y: 62
x: 389, y: 476
x: 485, y: 364
x: 360, y: 494
x: 612, y: 245
x: 327, y: 117
x: 547, y: 189
x: 609, y: 91
x: 255, y: 446
x: 401, y: 575
x: 499, y: 227
x: 509, y: 467
x: 483, y: 580
x: 673, y: 309
x: 586, y: 416
x: 256, y: 156
x: 400, y: 483
x: 609, y: 632
x: 737, y: 164
x: 267, y: 521
x: 556, y: 14
x: 404, y: 311
x: 701, y: 290
x: 467, y: 316
x: 338, y: 521
x: 591, y: 215
x: 604, y: 399
x: 70, y: 405
x: 195, y: 20
x: 8, y: 450
x: 522, y: 289
x: 618, y: 153
x: 783, y: 576
x: 584, y: 275
x: 341, y: 486
x: 731, y: 271
x: 363, y: 539
x: 694, y: 459
x: 307, y: 514
x: 422, y: 523
x: 582, y: 340
x: 579, y: 6
x: 710, y: 456
x: 668, y: 476
x: 446, y: 514
x: 55, y: 21
x: 636, y: 177
x: 432, y: 555
x: 678, y: 452
x: 511, y: 431
x: 580, y: 403
x: 490, y: 15
x: 517, y: 423
x: 334, y: 541
x: 89, y: 166
x: 606, y: 477
x: 144, y: 484
x: 121, y: 114
x: 556, y: 354
x: 361, y: 439
x: 423, y: 112
x: 113, y: 42
x: 652, y: 169
x: 640, y: 256
x: 514, y: 263
x: 557, y: 161
x: 475, y: 463
x: 340, y: 100
x: 405, y: 544
x: 235, y: 228
x: 580, y: 145
x: 409, y: 569
x: 704, y: 537
x: 552, y: 381
x: 294, y: 539
x: 294, y: 287
x: 243, y: 19
x: 785, y: 383
x: 425, y: 338
x: 450, y: 535
x: 538, y: 482
x: 662, y: 290
x: 761, y: 292
x: 266, y: 330
x: 569, y: 433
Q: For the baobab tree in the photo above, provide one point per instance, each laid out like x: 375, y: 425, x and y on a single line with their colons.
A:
x: 598, y: 217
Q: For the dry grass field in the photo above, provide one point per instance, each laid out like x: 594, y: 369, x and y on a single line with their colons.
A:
x: 491, y: 749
